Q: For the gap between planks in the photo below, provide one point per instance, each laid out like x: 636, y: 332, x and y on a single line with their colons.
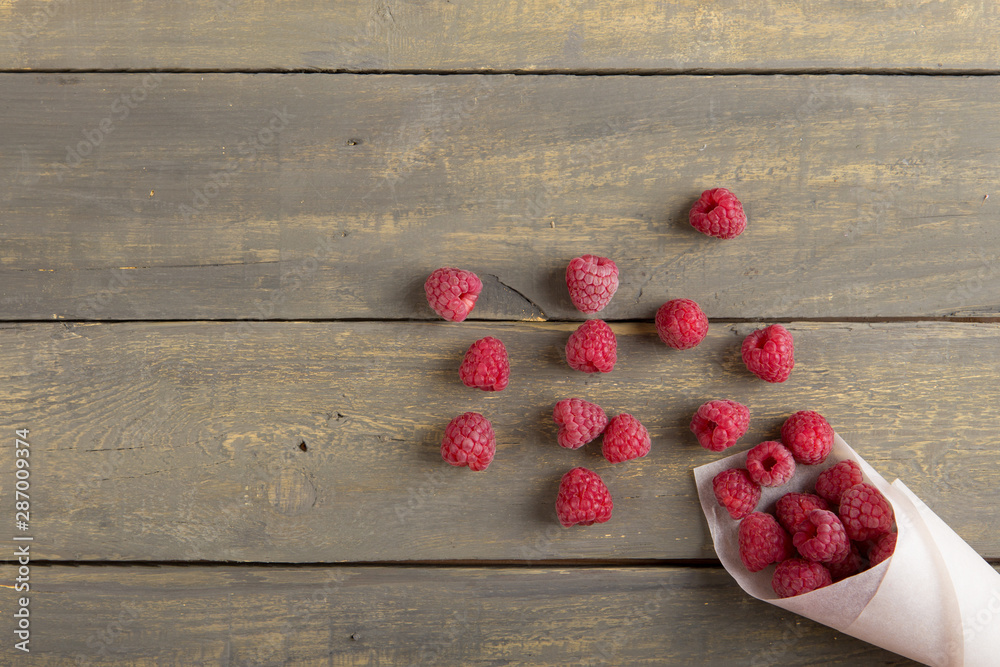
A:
x: 702, y: 72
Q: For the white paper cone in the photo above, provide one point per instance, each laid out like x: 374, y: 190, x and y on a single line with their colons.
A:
x: 934, y: 600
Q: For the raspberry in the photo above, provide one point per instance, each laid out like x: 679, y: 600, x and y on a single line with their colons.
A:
x: 592, y: 281
x: 832, y: 482
x: 719, y: 424
x: 850, y: 565
x: 625, y: 439
x: 865, y: 512
x: 792, y: 509
x: 808, y: 435
x: 718, y: 213
x: 736, y: 492
x: 796, y: 576
x: 469, y: 440
x: 452, y: 293
x: 592, y: 348
x: 681, y: 323
x: 762, y: 541
x: 486, y: 365
x: 882, y: 549
x: 579, y: 422
x: 583, y: 499
x: 770, y: 464
x: 822, y: 538
x: 769, y: 353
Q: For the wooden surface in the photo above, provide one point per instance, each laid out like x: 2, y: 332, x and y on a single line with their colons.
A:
x: 201, y: 460
x: 422, y: 616
x: 305, y: 196
x: 215, y: 221
x: 536, y: 35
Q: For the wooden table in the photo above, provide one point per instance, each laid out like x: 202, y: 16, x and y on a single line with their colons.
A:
x: 216, y: 218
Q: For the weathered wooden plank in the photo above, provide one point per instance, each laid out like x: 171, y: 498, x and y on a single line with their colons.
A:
x: 416, y: 616
x: 642, y: 35
x: 300, y: 196
x: 183, y: 441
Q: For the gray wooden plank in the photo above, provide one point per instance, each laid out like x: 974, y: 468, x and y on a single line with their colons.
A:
x: 640, y: 35
x: 301, y: 197
x: 416, y: 616
x: 181, y: 441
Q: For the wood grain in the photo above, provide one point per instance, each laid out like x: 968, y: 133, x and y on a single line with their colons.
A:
x: 183, y: 441
x: 378, y: 35
x: 302, y: 197
x: 417, y: 616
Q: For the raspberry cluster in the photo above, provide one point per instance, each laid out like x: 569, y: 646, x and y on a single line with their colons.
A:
x: 815, y: 539
x: 591, y: 281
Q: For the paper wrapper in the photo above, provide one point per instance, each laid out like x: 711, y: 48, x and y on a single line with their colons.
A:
x: 935, y: 600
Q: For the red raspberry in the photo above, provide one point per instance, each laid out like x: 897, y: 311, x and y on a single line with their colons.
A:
x: 486, y: 365
x: 796, y: 576
x: 850, y: 565
x: 808, y: 435
x: 592, y: 348
x: 469, y: 440
x: 769, y: 353
x: 719, y: 424
x: 865, y: 512
x: 736, y: 492
x: 718, y: 213
x: 822, y: 538
x: 681, y: 323
x: 792, y: 509
x: 583, y: 499
x: 625, y: 439
x: 770, y: 464
x: 882, y: 549
x: 762, y: 541
x: 832, y: 482
x: 452, y: 293
x: 592, y: 281
x: 579, y: 422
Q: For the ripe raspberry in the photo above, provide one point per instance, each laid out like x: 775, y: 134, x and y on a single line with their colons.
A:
x: 865, y: 512
x: 486, y: 365
x: 681, y: 323
x: 770, y: 464
x: 625, y: 439
x: 849, y: 566
x: 718, y: 213
x: 583, y: 499
x: 832, y: 482
x: 882, y: 549
x: 736, y: 492
x: 769, y: 353
x: 592, y: 281
x: 796, y: 576
x: 822, y: 538
x: 469, y: 440
x: 762, y: 541
x: 579, y: 422
x: 792, y: 509
x: 452, y: 293
x: 809, y: 437
x: 719, y: 424
x: 592, y: 348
